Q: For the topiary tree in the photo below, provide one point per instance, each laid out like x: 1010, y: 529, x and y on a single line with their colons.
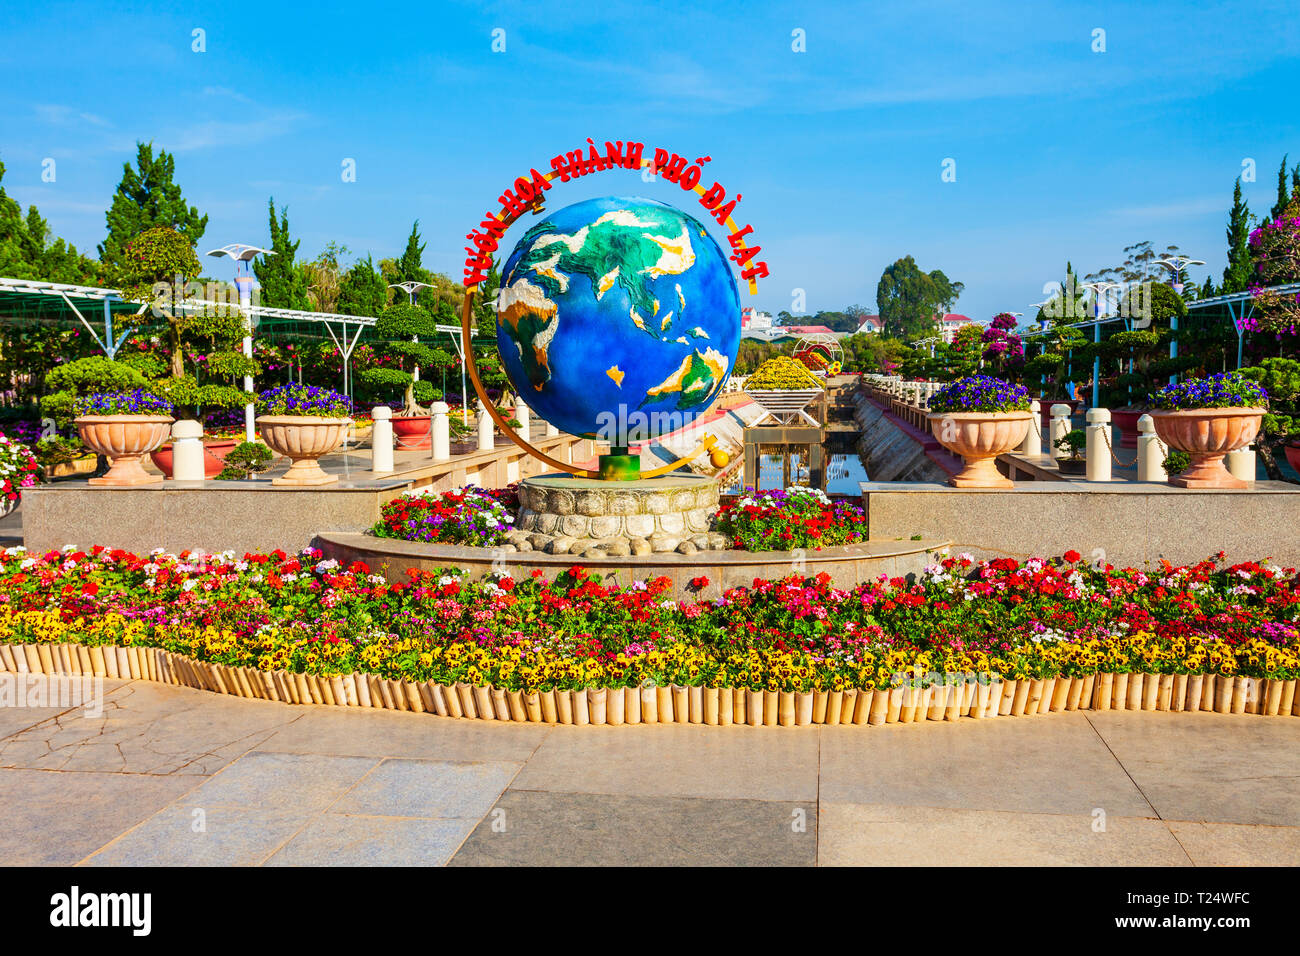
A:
x: 158, y: 265
x: 402, y: 326
x: 1281, y: 379
x: 84, y: 377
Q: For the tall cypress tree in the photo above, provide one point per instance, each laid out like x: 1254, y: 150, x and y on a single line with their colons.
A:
x: 1240, y: 272
x: 362, y: 290
x: 147, y: 198
x: 283, y: 284
x: 1283, y: 191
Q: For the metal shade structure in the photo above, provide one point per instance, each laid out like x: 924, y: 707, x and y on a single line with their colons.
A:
x: 55, y: 302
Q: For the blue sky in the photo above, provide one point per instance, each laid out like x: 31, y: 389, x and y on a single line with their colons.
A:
x: 1061, y: 152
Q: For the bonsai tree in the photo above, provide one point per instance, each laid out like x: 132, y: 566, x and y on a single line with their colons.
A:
x: 86, y: 376
x: 1280, y: 378
x: 245, y: 460
x: 401, y: 327
x: 1004, y: 352
x: 158, y: 266
x: 1275, y: 250
x: 1074, y: 442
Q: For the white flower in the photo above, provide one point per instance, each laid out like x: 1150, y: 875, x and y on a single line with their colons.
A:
x: 329, y: 564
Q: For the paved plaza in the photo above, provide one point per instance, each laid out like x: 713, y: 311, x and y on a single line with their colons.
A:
x: 170, y: 775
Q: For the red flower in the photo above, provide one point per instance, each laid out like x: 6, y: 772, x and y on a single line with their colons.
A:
x: 700, y: 583
x: 506, y: 584
x: 1072, y: 556
x: 90, y: 588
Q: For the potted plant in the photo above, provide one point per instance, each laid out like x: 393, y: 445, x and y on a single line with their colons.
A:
x: 980, y: 418
x: 245, y: 460
x: 783, y: 387
x: 303, y: 422
x: 402, y: 326
x: 18, y: 470
x: 1074, y: 442
x: 124, y: 427
x: 1280, y: 378
x: 1207, y: 418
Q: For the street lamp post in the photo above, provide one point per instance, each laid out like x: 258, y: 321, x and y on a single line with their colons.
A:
x: 244, y: 282
x: 1176, y: 265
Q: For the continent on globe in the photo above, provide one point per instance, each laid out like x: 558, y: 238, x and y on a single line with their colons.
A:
x: 588, y: 303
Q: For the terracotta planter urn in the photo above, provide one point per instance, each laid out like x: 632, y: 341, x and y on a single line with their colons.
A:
x: 124, y: 440
x: 979, y: 438
x: 413, y: 431
x: 303, y: 438
x: 1207, y: 434
x: 214, y: 457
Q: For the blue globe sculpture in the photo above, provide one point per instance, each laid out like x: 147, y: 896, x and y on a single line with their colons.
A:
x: 618, y: 319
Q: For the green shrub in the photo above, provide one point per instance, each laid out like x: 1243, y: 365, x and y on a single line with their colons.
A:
x: 245, y: 460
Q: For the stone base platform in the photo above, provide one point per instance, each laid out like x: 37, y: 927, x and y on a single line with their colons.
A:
x: 561, y: 514
x: 1124, y: 523
x: 848, y: 566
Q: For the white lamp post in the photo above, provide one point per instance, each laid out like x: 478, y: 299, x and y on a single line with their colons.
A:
x: 243, y: 256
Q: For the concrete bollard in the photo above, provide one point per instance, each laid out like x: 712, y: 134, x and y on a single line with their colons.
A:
x: 1098, y: 449
x: 187, y: 450
x: 522, y: 412
x: 1033, y: 443
x: 441, y: 440
x: 1151, y: 452
x: 1060, y: 426
x: 1241, y: 463
x: 381, y: 440
x: 486, y: 437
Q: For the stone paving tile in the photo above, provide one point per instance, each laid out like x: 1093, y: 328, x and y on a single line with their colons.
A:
x: 1230, y: 768
x: 230, y: 836
x: 267, y: 780
x: 379, y: 733
x: 674, y: 760
x: 148, y: 728
x: 537, y: 828
x: 53, y: 818
x: 1230, y: 844
x: 335, y: 839
x: 1054, y: 763
x: 851, y: 834
x: 428, y: 788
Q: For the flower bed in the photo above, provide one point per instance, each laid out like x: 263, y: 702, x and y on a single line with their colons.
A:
x: 136, y: 402
x: 968, y: 639
x: 306, y: 400
x: 471, y: 516
x: 980, y: 393
x: 794, y: 518
x: 1226, y: 390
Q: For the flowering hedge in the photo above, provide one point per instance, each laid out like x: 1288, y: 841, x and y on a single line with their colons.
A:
x: 137, y: 402
x: 18, y: 468
x: 795, y: 518
x: 782, y: 373
x: 470, y: 516
x: 310, y: 400
x: 980, y: 393
x: 1227, y: 390
x: 303, y: 614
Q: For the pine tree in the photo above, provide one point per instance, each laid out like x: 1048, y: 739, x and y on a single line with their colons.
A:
x: 1283, y: 192
x: 362, y: 291
x: 283, y: 284
x: 1240, y: 272
x: 1207, y: 290
x: 147, y: 198
x: 27, y: 252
